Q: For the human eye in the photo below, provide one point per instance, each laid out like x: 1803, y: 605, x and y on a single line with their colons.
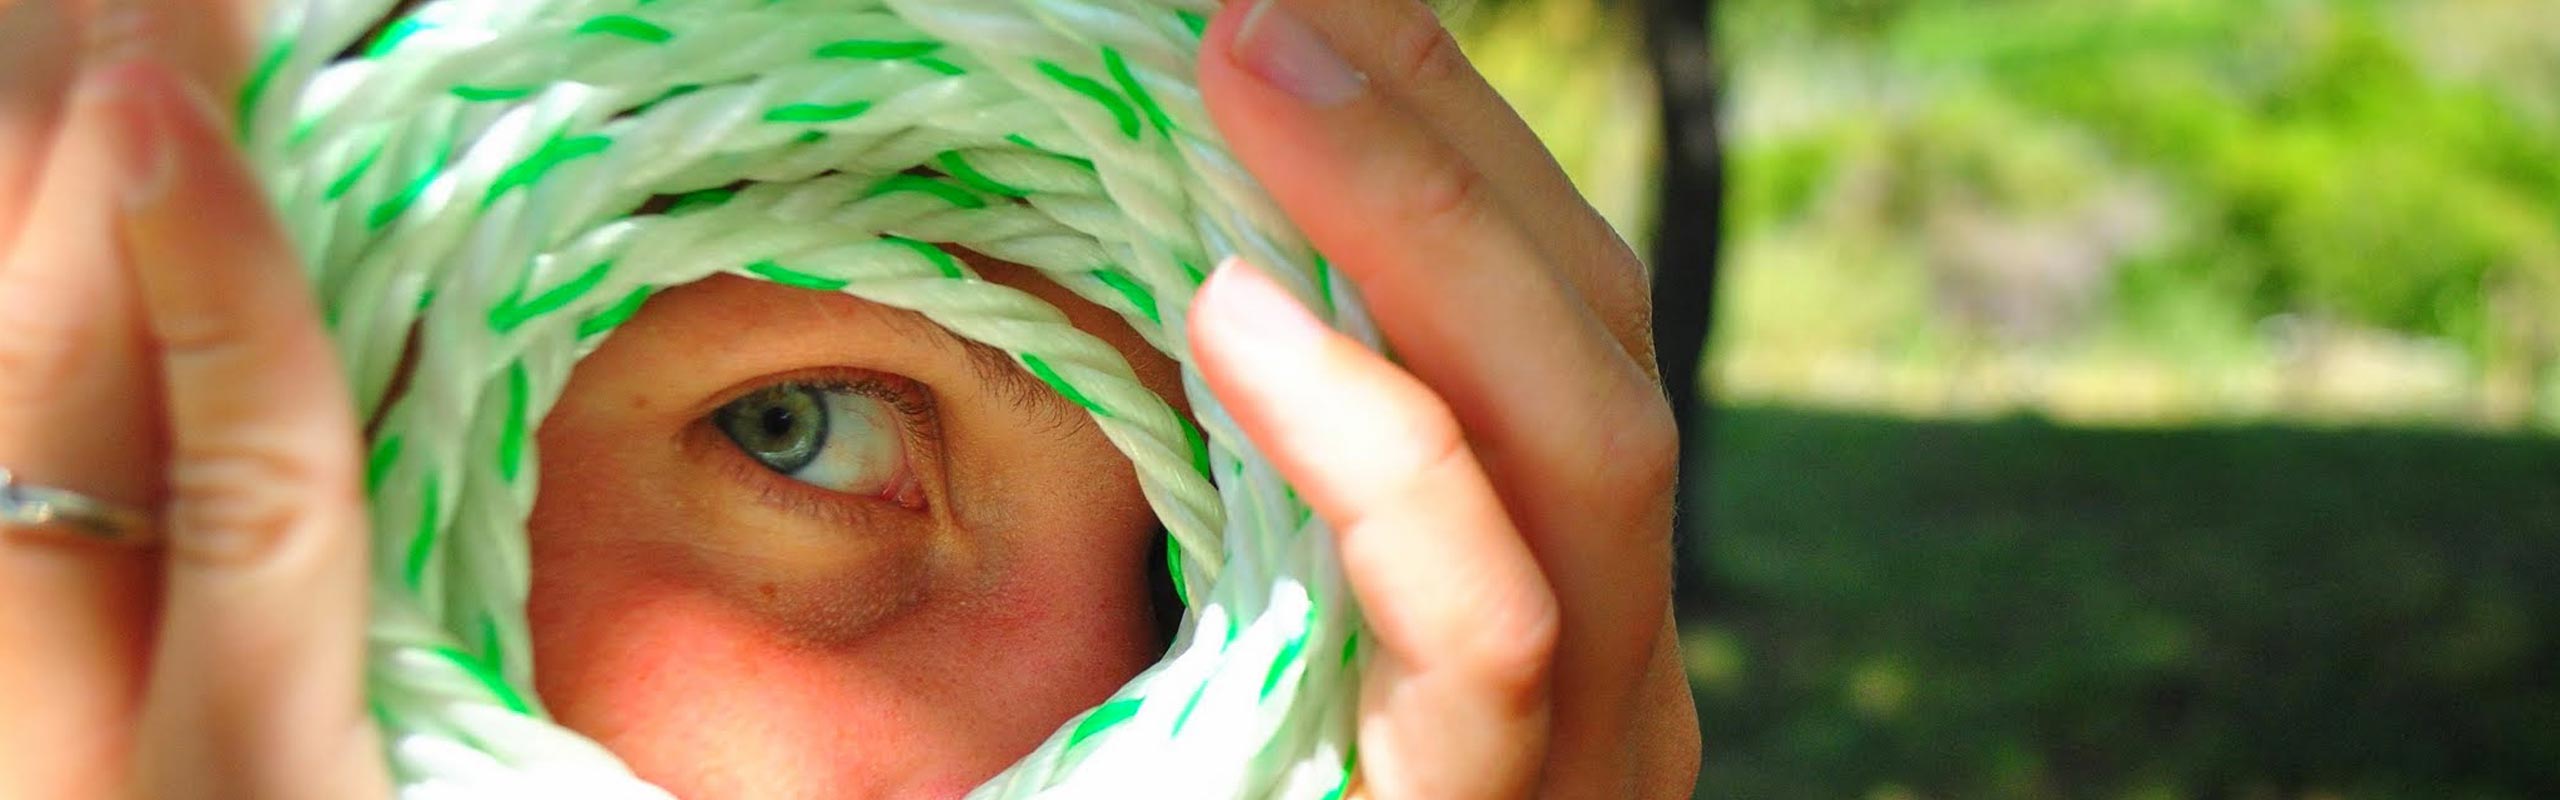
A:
x: 845, y: 434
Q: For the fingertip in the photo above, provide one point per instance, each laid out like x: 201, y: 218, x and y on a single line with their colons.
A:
x: 1339, y: 420
x: 139, y: 135
x: 35, y: 69
x: 173, y: 152
x: 1243, y: 305
x: 1262, y: 68
x: 205, y: 43
x: 1222, y: 28
x: 208, y: 255
x: 253, y: 392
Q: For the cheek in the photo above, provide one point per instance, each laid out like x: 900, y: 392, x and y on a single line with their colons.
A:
x: 1029, y: 607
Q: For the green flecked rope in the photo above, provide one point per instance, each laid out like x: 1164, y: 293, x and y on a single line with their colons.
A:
x: 472, y: 185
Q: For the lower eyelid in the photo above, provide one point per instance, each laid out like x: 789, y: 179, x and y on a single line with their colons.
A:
x: 834, y: 509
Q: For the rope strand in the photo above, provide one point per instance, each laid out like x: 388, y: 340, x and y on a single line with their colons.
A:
x: 469, y: 194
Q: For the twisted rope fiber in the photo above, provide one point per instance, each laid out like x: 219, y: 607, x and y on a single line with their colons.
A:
x: 472, y: 192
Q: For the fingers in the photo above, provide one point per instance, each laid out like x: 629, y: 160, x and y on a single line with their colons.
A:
x: 1461, y: 291
x: 1667, y: 744
x: 207, y: 41
x: 1456, y: 704
x: 1574, y: 432
x: 35, y: 71
x: 70, y: 332
x: 76, y: 411
x: 257, y: 682
x: 1411, y: 58
x: 43, y: 41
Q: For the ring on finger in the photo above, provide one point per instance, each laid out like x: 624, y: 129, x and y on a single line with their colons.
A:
x: 33, y: 507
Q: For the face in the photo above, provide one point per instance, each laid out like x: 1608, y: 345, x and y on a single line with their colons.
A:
x: 795, y: 544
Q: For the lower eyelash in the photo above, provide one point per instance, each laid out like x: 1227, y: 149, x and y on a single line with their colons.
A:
x: 829, y: 508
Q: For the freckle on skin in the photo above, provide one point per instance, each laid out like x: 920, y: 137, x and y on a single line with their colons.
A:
x: 639, y: 402
x: 767, y: 590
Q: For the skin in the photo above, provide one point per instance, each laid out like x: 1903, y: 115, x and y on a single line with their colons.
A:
x: 1502, y: 498
x: 667, y: 567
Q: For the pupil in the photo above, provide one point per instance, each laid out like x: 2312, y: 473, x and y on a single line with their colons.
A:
x: 782, y: 427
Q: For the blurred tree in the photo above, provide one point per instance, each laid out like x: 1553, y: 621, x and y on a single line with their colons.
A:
x: 1687, y: 240
x: 2323, y: 173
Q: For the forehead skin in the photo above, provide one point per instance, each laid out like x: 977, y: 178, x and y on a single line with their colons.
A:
x: 727, y: 649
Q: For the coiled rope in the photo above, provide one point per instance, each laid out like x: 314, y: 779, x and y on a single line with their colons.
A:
x: 469, y: 193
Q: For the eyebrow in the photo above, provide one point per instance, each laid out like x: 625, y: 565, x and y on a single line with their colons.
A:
x: 995, y: 368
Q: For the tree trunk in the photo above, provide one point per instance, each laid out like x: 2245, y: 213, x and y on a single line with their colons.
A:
x: 1688, y: 233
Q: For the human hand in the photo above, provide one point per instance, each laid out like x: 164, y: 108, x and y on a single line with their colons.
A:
x: 1503, y: 499
x: 1569, y: 511
x: 159, y: 349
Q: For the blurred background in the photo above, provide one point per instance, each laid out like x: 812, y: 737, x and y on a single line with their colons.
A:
x: 2143, y: 399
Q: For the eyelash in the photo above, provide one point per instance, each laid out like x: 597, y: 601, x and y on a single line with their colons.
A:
x: 920, y: 435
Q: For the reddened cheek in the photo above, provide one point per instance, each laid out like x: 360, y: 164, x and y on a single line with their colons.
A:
x: 729, y: 642
x: 703, y: 682
x: 712, y: 704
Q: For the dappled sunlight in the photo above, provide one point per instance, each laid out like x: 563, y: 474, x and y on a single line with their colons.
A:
x: 2152, y: 213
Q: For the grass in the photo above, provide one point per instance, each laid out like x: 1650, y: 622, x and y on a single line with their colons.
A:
x: 2011, y: 609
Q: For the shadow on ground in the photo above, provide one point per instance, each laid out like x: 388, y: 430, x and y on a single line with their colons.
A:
x: 2010, y: 609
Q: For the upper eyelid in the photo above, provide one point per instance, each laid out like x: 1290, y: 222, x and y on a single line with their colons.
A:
x: 991, y: 366
x: 997, y: 369
x: 915, y: 399
x: 1016, y: 384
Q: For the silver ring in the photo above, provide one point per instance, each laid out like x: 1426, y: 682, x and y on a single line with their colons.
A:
x: 44, y: 507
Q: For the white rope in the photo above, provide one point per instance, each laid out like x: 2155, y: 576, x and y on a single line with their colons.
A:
x: 470, y: 186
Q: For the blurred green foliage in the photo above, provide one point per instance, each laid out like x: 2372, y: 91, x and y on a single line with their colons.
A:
x: 2163, y: 173
x: 2160, y: 211
x: 1596, y: 115
x: 2009, y: 609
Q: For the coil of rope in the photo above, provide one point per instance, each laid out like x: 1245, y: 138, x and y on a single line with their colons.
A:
x: 484, y: 189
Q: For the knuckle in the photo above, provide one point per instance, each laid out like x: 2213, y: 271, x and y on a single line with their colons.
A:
x: 1625, y: 305
x: 1629, y: 478
x: 1424, y: 448
x: 29, y: 361
x: 1646, y: 445
x: 1437, y: 444
x: 1444, y: 195
x: 239, y: 500
x: 1422, y: 55
x: 1515, y: 651
x: 47, y: 329
x: 196, y: 336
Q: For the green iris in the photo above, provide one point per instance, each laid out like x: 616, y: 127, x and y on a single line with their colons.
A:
x: 780, y: 426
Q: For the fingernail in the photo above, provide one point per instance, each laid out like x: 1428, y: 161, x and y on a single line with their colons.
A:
x: 145, y: 160
x: 1242, y: 296
x: 1285, y: 52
